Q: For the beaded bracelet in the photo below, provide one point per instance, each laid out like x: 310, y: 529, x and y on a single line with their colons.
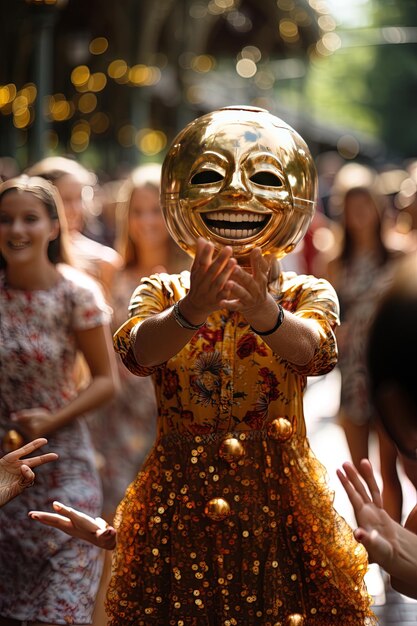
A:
x: 182, y: 321
x: 277, y: 325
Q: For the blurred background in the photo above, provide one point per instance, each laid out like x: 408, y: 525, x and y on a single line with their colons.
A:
x: 112, y: 82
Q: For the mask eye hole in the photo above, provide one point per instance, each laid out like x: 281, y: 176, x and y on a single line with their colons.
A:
x: 205, y: 177
x: 266, y: 179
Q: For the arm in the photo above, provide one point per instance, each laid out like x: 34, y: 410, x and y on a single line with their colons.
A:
x: 78, y: 524
x: 387, y: 542
x: 16, y: 473
x: 160, y: 337
x: 95, y: 344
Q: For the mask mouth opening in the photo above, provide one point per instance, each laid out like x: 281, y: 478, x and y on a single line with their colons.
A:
x: 235, y: 224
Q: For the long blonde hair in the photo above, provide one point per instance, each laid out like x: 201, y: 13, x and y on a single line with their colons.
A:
x: 149, y: 176
x: 143, y: 176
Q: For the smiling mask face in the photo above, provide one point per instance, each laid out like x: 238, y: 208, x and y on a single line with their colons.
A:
x: 239, y: 177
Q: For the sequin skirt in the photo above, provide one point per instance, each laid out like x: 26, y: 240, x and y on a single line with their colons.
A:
x: 236, y: 529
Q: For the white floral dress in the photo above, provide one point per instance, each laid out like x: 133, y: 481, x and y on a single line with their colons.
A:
x: 45, y: 575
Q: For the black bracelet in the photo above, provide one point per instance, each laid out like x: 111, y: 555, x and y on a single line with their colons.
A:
x: 280, y: 319
x: 182, y: 321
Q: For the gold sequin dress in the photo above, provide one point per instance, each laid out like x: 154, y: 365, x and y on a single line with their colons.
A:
x: 230, y: 521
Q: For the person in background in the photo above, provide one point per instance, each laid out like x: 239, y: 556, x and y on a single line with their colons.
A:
x: 391, y: 360
x: 360, y: 274
x: 124, y: 429
x: 73, y: 181
x: 49, y: 312
x: 16, y: 473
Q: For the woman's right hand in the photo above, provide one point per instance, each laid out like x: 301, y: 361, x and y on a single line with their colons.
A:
x: 208, y: 277
x: 16, y: 473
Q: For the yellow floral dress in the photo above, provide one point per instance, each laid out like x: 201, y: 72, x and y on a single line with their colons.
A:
x: 230, y: 521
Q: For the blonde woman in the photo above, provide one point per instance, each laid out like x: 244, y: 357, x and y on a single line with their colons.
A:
x: 49, y: 312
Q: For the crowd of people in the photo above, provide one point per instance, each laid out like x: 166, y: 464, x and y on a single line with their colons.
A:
x: 230, y: 399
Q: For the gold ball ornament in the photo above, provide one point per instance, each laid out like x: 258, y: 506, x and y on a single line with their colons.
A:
x: 280, y: 429
x: 294, y: 620
x: 239, y: 177
x: 12, y: 440
x: 231, y: 450
x: 217, y: 509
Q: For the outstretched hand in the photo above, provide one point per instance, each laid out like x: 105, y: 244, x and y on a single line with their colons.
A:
x: 377, y: 531
x: 78, y: 524
x: 16, y: 473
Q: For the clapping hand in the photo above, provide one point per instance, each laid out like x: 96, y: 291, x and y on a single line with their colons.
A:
x: 78, y: 524
x: 16, y: 473
x: 247, y: 292
x: 208, y: 275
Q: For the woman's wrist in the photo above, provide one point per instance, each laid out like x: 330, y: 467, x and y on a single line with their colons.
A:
x: 274, y: 328
x: 187, y: 316
x: 266, y: 318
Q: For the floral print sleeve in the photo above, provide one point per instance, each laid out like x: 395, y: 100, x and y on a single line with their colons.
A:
x: 153, y: 295
x: 89, y: 308
x: 314, y: 299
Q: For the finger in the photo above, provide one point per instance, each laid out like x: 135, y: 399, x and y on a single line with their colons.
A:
x: 355, y: 499
x: 52, y: 519
x: 107, y: 538
x: 219, y: 263
x: 78, y: 518
x: 204, y: 252
x: 355, y: 479
x: 227, y: 302
x: 260, y: 266
x: 26, y: 449
x: 40, y: 460
x: 368, y: 475
x: 28, y: 476
x: 25, y: 414
x: 245, y: 279
x: 102, y: 525
x: 223, y: 276
x: 238, y: 292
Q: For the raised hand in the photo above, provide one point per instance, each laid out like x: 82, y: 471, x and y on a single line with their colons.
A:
x: 248, y: 292
x: 377, y: 531
x: 208, y: 277
x: 78, y: 524
x: 16, y: 473
x: 34, y: 422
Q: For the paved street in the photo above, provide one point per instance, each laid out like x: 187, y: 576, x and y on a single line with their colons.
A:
x: 328, y: 443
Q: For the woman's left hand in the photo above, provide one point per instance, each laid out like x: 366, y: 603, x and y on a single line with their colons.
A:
x: 78, y: 524
x: 248, y: 293
x: 377, y: 531
x: 16, y: 473
x: 36, y: 422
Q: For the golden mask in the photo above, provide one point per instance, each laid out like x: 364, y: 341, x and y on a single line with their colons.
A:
x: 240, y: 177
